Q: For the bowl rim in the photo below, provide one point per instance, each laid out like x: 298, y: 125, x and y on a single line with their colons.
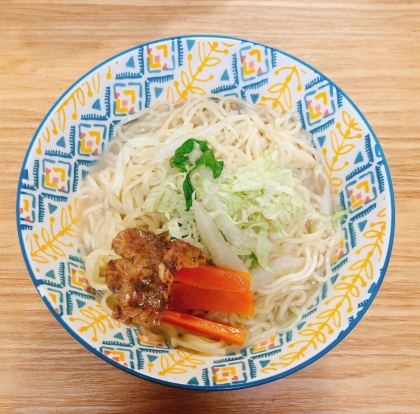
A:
x: 250, y: 384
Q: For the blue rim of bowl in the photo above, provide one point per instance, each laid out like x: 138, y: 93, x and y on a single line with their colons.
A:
x: 283, y: 374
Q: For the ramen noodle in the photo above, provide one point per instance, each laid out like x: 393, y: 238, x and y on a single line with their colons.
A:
x: 271, y: 204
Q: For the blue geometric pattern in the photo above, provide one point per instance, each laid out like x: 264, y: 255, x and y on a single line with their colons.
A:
x: 127, y: 98
x: 100, y: 108
x: 130, y: 67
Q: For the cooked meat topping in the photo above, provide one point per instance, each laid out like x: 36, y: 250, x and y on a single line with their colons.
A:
x: 115, y: 274
x: 129, y: 242
x: 143, y: 278
x: 182, y: 254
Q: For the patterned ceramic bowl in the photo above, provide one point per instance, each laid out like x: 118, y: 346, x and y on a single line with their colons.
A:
x: 73, y: 136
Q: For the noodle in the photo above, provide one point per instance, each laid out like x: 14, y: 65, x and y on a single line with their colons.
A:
x: 138, y: 161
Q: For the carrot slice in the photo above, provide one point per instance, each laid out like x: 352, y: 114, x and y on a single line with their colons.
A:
x: 207, y: 328
x: 186, y: 296
x: 212, y: 277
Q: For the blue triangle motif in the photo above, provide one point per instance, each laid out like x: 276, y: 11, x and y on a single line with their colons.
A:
x: 378, y: 151
x: 362, y: 225
x: 300, y: 326
x: 51, y: 208
x: 61, y: 142
x: 190, y: 44
x: 254, y: 97
x: 193, y: 381
x: 80, y: 303
x: 25, y: 174
x: 97, y: 105
x: 151, y: 358
x: 119, y: 336
x: 264, y: 363
x: 158, y: 91
x: 321, y: 140
x: 85, y: 173
x: 225, y: 76
x: 359, y: 158
x: 50, y: 274
x: 334, y: 279
x: 130, y: 63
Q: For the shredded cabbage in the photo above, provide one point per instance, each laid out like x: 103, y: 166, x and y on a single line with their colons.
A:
x: 248, y: 205
x: 221, y: 253
x: 265, y: 192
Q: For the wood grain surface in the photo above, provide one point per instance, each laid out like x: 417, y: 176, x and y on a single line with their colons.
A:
x: 371, y: 49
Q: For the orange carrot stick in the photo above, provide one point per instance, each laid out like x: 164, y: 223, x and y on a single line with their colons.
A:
x: 212, y: 277
x: 207, y: 328
x: 186, y: 296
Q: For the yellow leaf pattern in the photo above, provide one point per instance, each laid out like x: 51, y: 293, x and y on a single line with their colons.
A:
x: 281, y: 89
x: 194, y: 75
x: 179, y: 362
x: 340, y: 146
x: 50, y: 244
x: 95, y: 319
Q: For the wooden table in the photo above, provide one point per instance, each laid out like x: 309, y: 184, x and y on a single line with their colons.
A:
x: 369, y: 48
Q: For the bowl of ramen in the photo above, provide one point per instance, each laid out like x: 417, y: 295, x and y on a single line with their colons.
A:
x: 206, y: 212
